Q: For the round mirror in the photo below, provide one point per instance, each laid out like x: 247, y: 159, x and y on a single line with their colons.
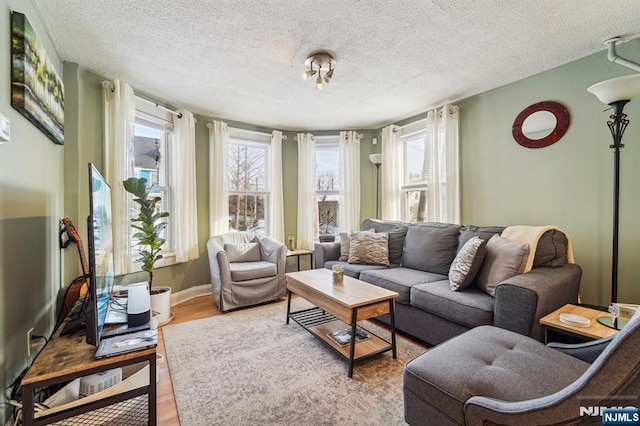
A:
x: 540, y: 124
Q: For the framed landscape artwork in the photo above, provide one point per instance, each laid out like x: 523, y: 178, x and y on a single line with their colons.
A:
x: 36, y: 88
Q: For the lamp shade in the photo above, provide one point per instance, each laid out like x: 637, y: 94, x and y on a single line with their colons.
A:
x: 375, y: 158
x: 617, y: 89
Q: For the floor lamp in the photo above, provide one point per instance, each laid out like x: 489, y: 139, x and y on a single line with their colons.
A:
x: 376, y: 159
x: 616, y: 92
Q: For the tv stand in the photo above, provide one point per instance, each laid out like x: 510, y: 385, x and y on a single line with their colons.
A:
x: 65, y: 358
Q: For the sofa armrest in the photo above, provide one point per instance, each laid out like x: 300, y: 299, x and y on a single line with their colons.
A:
x: 324, y: 252
x: 587, y: 352
x: 522, y: 300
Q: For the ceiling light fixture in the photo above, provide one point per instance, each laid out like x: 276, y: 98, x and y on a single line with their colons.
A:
x: 309, y: 73
x: 323, y: 63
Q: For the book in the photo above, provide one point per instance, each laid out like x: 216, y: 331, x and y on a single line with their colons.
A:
x: 127, y: 343
x: 343, y: 337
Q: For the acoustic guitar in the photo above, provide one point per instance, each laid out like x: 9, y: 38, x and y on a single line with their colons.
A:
x: 79, y: 286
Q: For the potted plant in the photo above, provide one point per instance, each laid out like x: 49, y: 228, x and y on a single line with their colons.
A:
x: 149, y: 226
x: 327, y: 217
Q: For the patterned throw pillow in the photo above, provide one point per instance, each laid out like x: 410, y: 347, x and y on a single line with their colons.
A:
x: 369, y: 248
x: 345, y: 239
x: 466, y: 264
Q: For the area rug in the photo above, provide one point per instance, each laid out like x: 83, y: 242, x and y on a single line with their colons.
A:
x: 248, y: 367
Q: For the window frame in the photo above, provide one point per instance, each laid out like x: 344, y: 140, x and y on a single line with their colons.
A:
x: 149, y: 116
x: 241, y: 137
x: 327, y: 143
x: 410, y: 133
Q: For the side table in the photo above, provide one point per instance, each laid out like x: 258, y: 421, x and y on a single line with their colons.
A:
x: 301, y: 252
x: 595, y: 330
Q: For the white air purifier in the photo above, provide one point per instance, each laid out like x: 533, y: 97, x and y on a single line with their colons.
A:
x: 138, y: 304
x: 99, y: 381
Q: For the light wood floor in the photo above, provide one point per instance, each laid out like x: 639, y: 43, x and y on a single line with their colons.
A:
x: 199, y: 307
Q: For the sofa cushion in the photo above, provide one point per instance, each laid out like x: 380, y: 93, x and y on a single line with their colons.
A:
x: 484, y: 232
x: 466, y: 264
x: 353, y: 269
x: 243, y: 252
x: 490, y: 362
x: 551, y: 250
x: 470, y: 307
x: 369, y: 248
x: 430, y: 247
x: 504, y: 259
x: 245, y: 271
x: 397, y: 232
x: 345, y: 240
x: 400, y: 280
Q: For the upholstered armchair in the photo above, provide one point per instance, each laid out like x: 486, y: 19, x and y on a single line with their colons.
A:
x: 246, y: 269
x: 490, y: 376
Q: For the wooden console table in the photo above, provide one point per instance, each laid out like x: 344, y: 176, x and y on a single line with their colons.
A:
x: 65, y: 358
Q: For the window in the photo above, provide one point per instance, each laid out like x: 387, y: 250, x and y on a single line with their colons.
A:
x: 327, y: 184
x: 415, y: 177
x: 151, y: 150
x: 248, y: 185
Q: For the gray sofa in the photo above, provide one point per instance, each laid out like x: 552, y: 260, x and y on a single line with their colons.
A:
x: 420, y: 256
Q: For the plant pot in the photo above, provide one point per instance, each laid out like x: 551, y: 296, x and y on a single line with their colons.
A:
x: 327, y: 238
x: 161, y: 303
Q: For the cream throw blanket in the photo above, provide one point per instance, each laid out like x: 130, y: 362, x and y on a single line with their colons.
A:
x: 531, y: 235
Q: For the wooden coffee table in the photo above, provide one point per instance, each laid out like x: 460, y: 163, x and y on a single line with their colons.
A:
x: 340, y: 307
x: 593, y: 332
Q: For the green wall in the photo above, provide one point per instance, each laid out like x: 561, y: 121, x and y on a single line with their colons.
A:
x: 31, y: 204
x: 568, y: 184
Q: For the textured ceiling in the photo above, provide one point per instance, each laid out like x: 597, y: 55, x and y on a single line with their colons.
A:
x: 243, y: 59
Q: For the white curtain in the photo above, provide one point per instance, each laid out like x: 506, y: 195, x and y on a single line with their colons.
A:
x: 349, y: 198
x: 276, y: 205
x: 218, y: 193
x: 306, y: 190
x: 119, y: 121
x: 391, y: 174
x: 183, y: 182
x: 443, y: 144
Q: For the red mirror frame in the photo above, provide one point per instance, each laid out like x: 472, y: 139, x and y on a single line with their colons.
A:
x: 562, y: 124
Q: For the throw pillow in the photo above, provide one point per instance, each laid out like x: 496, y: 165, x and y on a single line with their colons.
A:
x: 369, y: 248
x: 466, y: 264
x: 345, y: 238
x: 504, y: 259
x: 396, y: 245
x: 242, y: 252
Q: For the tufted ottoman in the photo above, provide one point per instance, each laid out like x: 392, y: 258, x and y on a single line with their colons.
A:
x: 486, y: 361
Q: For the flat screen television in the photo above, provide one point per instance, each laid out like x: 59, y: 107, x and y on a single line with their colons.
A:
x: 100, y: 238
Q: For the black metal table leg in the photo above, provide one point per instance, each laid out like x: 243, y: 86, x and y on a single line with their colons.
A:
x: 288, y: 304
x: 352, y: 348
x: 393, y: 328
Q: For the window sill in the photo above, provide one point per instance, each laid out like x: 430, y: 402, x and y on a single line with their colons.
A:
x: 168, y: 259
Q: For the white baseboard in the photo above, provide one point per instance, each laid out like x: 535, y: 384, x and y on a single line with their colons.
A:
x: 190, y: 293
